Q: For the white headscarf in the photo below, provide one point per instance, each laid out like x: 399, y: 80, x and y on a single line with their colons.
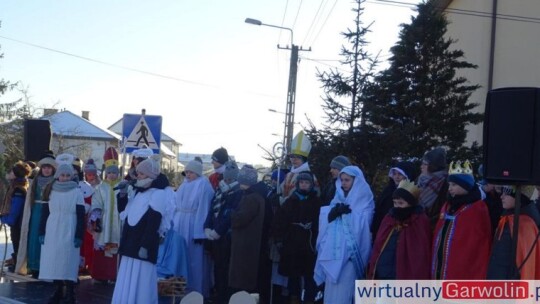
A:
x: 360, y: 197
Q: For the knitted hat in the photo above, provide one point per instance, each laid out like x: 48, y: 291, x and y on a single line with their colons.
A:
x: 220, y: 155
x: 143, y: 153
x: 21, y: 169
x: 110, y: 159
x: 528, y: 191
x: 195, y: 167
x: 300, y: 145
x: 247, y: 176
x: 64, y: 168
x: 405, y: 168
x: 150, y: 167
x: 436, y: 159
x: 461, y: 175
x: 231, y: 171
x: 90, y: 166
x: 339, y: 162
x: 282, y: 173
x: 47, y: 159
x: 408, y: 191
x: 304, y: 176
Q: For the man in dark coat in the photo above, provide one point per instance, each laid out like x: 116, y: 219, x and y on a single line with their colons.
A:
x: 247, y: 224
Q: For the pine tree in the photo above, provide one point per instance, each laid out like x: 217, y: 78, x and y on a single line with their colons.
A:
x: 343, y: 100
x: 420, y: 102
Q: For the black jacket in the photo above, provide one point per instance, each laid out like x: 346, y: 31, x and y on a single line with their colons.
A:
x: 145, y: 232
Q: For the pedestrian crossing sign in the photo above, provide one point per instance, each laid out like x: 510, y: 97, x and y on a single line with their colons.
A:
x: 141, y: 130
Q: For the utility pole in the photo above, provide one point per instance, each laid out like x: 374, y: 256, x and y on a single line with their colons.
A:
x: 291, y: 90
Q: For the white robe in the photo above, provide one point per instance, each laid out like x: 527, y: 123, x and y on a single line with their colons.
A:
x: 137, y: 279
x: 104, y: 198
x: 193, y: 200
x: 137, y: 282
x: 59, y: 257
x: 334, y: 257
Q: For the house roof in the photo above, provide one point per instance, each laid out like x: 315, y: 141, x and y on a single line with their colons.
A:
x: 117, y: 128
x: 66, y: 123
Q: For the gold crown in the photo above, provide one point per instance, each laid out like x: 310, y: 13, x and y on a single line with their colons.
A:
x: 410, y: 187
x: 457, y: 168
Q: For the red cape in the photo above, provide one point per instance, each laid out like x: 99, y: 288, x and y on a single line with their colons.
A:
x: 413, y: 257
x: 466, y: 244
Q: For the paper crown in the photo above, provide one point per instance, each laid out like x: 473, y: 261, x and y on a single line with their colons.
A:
x: 409, y: 187
x: 110, y: 157
x: 300, y: 145
x: 458, y: 168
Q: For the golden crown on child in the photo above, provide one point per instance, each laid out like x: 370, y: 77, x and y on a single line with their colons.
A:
x: 458, y: 168
x: 410, y: 187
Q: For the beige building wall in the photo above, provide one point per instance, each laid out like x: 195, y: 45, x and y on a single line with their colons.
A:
x: 516, y: 61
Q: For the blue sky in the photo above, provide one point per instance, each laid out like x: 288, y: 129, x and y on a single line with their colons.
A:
x: 210, y: 75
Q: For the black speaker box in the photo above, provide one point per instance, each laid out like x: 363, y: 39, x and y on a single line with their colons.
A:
x: 512, y: 136
x: 37, y: 138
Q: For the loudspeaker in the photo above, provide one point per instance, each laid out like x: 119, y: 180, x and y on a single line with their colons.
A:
x: 512, y: 136
x: 37, y: 138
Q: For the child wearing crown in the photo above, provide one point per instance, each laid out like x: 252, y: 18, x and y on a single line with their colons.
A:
x: 402, y: 248
x: 527, y: 261
x: 462, y: 237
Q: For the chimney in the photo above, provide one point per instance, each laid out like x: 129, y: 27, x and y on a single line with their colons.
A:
x: 86, y: 115
x: 47, y: 112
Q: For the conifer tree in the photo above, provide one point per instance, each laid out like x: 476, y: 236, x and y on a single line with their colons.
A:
x: 420, y: 101
x: 343, y: 100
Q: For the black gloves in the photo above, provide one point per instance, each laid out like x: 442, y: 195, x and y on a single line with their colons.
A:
x: 97, y: 227
x: 338, y: 210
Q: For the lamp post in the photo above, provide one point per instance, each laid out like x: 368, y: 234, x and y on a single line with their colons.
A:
x: 291, y: 90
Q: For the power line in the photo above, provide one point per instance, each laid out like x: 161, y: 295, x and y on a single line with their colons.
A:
x: 316, y: 19
x: 465, y: 12
x: 283, y: 19
x: 326, y: 64
x: 297, y: 13
x: 126, y: 68
x: 109, y: 64
x: 328, y: 16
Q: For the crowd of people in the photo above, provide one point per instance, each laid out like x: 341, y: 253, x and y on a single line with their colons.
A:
x: 290, y: 240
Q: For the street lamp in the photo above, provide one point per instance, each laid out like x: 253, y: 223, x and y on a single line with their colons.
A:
x: 291, y: 91
x: 275, y: 111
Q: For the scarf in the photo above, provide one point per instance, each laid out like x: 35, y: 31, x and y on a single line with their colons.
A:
x: 220, y: 170
x: 303, y: 167
x: 219, y: 197
x: 64, y: 186
x: 143, y: 183
x: 456, y: 202
x: 401, y: 214
x: 431, y: 185
x: 42, y: 181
